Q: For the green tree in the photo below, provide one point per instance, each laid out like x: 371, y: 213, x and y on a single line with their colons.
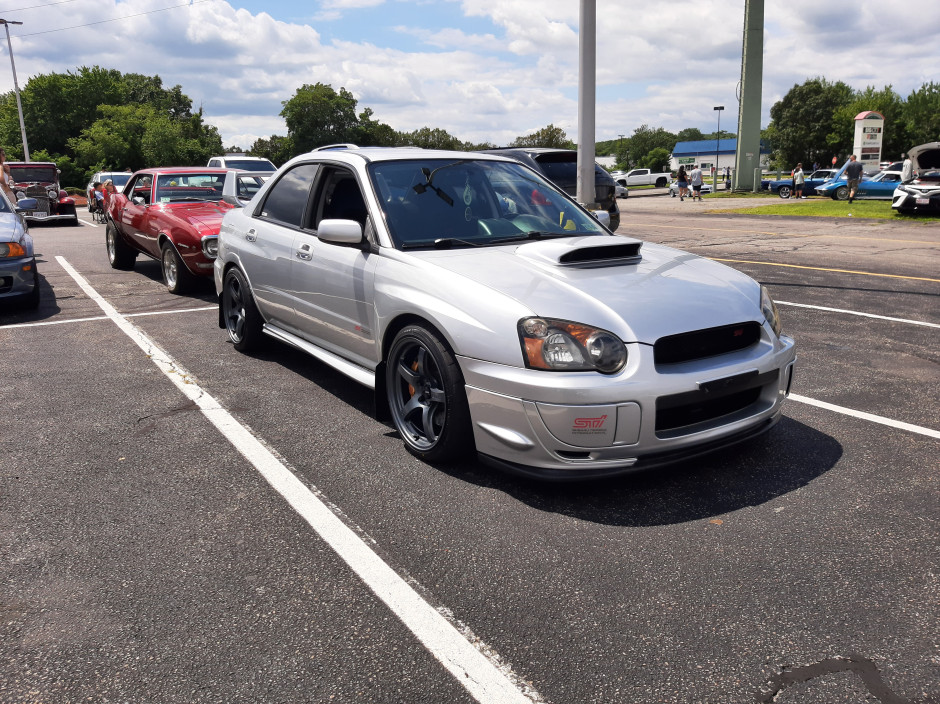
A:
x: 114, y: 141
x: 430, y: 138
x: 657, y: 160
x: 276, y: 148
x: 690, y: 134
x: 888, y: 103
x: 802, y: 123
x: 644, y: 140
x: 921, y: 115
x: 318, y: 115
x: 548, y: 136
x: 372, y: 133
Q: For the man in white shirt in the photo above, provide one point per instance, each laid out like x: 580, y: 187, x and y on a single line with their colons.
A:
x: 907, y: 169
x: 695, y: 178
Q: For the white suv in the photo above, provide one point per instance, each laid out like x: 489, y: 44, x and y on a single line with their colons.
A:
x: 240, y: 161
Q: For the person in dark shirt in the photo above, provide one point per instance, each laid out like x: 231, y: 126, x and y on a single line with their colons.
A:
x: 853, y: 172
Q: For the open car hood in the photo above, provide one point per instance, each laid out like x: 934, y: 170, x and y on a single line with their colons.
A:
x: 926, y: 156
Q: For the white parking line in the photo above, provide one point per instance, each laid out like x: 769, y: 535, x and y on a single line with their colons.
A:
x: 901, y: 425
x: 104, y: 317
x: 487, y: 680
x: 855, y: 312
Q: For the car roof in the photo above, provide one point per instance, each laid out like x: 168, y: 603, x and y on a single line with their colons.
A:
x: 32, y: 163
x: 184, y: 170
x: 371, y: 154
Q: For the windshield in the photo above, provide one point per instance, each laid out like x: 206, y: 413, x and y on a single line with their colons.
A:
x: 468, y: 202
x: 118, y: 179
x: 250, y: 164
x: 24, y: 174
x: 177, y: 188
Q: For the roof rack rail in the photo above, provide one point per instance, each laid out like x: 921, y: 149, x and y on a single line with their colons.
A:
x: 327, y: 147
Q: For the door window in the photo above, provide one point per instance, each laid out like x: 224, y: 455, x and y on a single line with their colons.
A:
x: 287, y: 200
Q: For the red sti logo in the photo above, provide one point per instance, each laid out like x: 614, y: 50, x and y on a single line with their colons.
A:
x: 589, y: 423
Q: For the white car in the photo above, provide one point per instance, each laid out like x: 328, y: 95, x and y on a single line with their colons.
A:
x: 674, y: 188
x: 621, y: 191
x: 240, y: 161
x: 492, y: 314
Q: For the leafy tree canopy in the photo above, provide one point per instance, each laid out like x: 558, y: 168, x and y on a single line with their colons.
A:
x: 548, y: 136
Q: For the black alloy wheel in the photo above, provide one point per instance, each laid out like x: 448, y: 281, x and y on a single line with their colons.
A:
x: 243, y: 322
x: 426, y: 397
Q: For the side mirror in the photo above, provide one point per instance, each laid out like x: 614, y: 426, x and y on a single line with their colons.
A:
x: 138, y: 200
x: 340, y: 232
x: 602, y: 216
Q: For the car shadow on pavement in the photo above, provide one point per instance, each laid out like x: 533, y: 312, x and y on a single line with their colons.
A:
x: 789, y: 456
x: 18, y: 312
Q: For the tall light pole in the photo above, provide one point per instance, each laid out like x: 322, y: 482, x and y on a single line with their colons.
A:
x: 719, y: 108
x: 587, y: 91
x: 19, y: 106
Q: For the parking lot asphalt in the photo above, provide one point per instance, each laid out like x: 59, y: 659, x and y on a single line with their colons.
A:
x: 145, y: 558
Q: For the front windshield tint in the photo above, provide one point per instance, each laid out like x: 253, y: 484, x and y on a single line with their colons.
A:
x: 472, y: 202
x: 179, y: 188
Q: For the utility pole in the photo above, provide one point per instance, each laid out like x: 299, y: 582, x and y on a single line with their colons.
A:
x: 587, y: 57
x: 747, y: 157
x: 19, y: 106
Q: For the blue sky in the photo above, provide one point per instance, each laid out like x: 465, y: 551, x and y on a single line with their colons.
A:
x: 481, y: 69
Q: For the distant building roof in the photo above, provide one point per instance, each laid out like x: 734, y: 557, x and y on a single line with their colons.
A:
x: 869, y: 115
x: 707, y: 146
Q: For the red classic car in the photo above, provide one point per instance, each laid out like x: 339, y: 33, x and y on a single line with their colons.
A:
x: 172, y: 215
x: 40, y: 180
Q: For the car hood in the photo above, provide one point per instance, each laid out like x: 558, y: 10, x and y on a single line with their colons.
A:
x: 205, y: 218
x: 926, y: 156
x: 592, y: 280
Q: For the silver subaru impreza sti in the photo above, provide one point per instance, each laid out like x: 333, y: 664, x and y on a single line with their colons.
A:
x: 492, y: 314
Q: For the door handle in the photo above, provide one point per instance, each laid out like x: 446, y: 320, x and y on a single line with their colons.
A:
x: 251, y: 236
x: 305, y: 253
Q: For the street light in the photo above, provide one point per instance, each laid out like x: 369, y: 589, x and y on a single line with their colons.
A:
x: 19, y: 106
x: 719, y: 108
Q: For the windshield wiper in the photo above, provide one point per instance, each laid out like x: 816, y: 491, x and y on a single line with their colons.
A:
x: 534, y: 235
x: 442, y: 243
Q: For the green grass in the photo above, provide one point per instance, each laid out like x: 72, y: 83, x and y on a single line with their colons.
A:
x: 826, y: 208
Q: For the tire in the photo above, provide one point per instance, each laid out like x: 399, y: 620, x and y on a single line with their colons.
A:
x: 841, y: 193
x: 783, y: 191
x: 243, y: 322
x: 426, y: 397
x: 31, y: 302
x: 120, y: 255
x: 660, y: 183
x: 176, y: 276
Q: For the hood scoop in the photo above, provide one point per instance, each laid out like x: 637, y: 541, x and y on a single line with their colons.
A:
x: 584, y: 252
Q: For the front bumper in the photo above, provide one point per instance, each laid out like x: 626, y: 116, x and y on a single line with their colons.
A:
x: 17, y: 277
x: 578, y: 426
x: 916, y: 202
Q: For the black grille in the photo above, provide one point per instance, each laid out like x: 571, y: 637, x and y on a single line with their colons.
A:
x: 6, y: 283
x: 699, y: 344
x: 712, y: 400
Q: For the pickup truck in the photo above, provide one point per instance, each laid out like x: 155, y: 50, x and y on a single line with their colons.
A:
x: 643, y: 177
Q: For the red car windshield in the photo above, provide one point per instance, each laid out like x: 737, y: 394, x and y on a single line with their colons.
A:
x: 182, y: 188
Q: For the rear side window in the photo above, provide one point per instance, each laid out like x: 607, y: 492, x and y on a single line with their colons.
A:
x: 287, y: 199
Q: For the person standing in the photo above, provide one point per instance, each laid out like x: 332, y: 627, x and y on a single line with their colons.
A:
x: 853, y: 172
x: 907, y: 169
x: 695, y: 178
x: 6, y: 178
x: 682, y: 181
x: 798, y: 179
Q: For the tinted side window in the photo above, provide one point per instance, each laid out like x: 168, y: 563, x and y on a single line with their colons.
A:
x: 287, y: 199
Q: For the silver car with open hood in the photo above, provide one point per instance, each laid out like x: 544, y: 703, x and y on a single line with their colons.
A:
x: 491, y: 313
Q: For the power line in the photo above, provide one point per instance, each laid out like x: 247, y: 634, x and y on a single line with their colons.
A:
x: 115, y: 19
x: 33, y: 7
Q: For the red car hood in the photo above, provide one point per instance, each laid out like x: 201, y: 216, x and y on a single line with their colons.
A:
x: 205, y: 218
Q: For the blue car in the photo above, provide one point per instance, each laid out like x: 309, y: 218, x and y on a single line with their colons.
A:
x: 881, y: 185
x: 784, y: 187
x: 19, y: 280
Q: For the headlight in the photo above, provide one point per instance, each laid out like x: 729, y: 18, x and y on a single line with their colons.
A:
x: 11, y: 250
x: 210, y: 246
x: 559, y: 345
x: 53, y: 193
x: 20, y: 195
x: 769, y: 309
